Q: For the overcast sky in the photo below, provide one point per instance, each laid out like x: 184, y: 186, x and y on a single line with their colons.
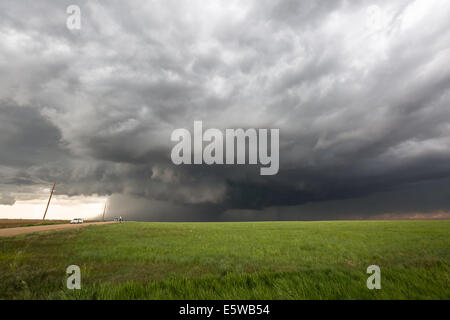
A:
x: 360, y: 91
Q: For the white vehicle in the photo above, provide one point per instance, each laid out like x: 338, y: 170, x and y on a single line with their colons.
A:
x: 76, y: 221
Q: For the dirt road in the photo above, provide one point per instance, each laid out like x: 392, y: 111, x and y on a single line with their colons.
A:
x: 9, y: 232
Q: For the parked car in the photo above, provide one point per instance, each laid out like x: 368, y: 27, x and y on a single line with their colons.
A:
x: 76, y: 221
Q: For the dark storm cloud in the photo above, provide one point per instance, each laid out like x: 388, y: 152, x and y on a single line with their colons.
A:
x: 26, y: 137
x: 359, y: 90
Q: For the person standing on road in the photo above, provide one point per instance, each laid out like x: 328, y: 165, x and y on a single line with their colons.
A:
x: 120, y: 219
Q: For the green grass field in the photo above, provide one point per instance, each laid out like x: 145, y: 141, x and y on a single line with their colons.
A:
x: 255, y: 260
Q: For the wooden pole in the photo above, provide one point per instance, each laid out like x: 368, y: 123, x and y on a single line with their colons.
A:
x: 104, y: 210
x: 50, y: 198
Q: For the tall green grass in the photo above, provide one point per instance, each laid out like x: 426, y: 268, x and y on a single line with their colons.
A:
x: 254, y: 260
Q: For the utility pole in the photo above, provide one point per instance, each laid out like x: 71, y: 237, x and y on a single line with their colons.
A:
x: 48, y: 203
x: 104, y: 210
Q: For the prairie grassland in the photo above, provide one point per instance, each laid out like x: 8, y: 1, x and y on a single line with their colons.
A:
x: 251, y: 260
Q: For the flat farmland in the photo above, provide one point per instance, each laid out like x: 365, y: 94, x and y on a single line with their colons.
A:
x: 245, y: 260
